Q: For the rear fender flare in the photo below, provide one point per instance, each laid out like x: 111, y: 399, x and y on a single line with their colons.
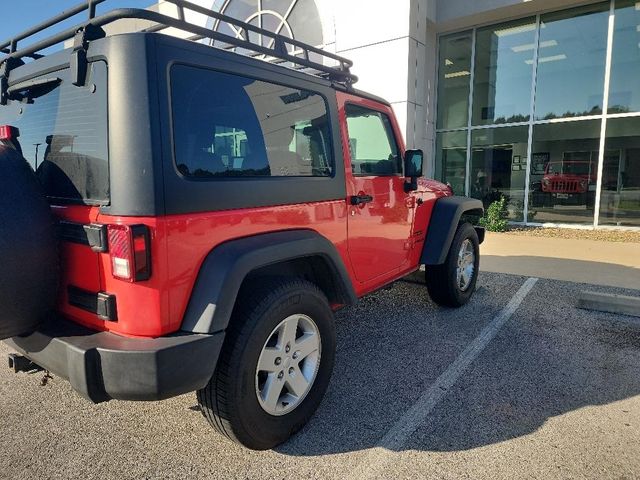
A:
x: 227, y: 265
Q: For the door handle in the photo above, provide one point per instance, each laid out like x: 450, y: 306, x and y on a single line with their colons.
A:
x: 361, y: 199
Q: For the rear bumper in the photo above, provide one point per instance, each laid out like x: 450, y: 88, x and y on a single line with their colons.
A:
x: 103, y: 366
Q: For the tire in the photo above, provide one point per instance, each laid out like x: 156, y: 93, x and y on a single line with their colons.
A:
x: 28, y: 248
x: 230, y: 401
x: 442, y: 280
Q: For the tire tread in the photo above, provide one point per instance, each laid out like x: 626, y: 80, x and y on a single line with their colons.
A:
x: 439, y: 277
x: 253, y: 301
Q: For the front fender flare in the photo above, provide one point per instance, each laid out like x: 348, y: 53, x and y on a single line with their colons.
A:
x: 446, y: 216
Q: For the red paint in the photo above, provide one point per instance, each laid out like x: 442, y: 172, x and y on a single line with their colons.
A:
x: 7, y: 132
x: 80, y: 266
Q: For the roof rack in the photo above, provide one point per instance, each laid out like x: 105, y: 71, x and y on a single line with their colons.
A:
x: 304, y: 57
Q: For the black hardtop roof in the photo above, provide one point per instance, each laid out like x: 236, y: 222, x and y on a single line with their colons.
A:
x: 274, y: 67
x: 60, y: 59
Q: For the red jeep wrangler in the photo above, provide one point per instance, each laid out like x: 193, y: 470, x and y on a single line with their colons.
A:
x: 177, y: 217
x: 568, y: 177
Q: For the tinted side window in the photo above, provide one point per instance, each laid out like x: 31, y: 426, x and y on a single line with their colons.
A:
x: 231, y: 126
x: 373, y: 147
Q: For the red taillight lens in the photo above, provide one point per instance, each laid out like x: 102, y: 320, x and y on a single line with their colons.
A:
x: 130, y: 252
x: 7, y: 132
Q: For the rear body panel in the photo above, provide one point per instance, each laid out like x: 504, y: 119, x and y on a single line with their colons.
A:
x: 179, y: 245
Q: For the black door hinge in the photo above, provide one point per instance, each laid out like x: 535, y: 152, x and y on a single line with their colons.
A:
x: 5, y: 67
x: 78, y: 63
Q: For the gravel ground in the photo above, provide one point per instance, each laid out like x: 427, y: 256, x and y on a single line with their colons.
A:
x: 572, y: 234
x: 556, y: 394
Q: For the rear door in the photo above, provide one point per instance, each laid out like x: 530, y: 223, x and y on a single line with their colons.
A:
x: 63, y: 136
x: 380, y: 211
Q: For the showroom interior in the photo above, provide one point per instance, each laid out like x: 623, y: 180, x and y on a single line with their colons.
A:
x: 545, y: 111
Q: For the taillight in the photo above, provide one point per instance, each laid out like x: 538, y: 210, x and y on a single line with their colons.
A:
x: 130, y: 252
x: 7, y: 132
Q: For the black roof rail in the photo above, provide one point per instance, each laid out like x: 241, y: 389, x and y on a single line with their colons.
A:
x: 303, y: 57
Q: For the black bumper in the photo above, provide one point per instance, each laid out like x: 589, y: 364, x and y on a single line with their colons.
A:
x: 103, y: 366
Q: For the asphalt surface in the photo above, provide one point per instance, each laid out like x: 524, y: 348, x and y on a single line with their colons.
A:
x: 553, y: 392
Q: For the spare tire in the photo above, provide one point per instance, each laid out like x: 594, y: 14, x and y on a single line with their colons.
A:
x: 28, y: 248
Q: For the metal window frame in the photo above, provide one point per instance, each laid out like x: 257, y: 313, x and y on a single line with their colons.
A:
x: 467, y: 168
x: 532, y: 106
x: 437, y: 100
x: 603, y: 117
x: 605, y: 108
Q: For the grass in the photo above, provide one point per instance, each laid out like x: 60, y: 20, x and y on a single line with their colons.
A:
x: 571, y: 233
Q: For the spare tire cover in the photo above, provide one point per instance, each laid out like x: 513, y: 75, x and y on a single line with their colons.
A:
x: 28, y: 248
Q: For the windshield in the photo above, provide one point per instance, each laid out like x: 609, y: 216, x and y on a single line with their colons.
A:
x: 63, y: 134
x: 569, y: 168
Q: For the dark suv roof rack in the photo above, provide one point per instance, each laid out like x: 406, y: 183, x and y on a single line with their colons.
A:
x: 306, y: 58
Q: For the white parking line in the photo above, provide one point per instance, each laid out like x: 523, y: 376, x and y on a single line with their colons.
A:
x: 375, y: 460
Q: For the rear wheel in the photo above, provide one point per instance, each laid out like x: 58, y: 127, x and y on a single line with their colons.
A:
x: 452, y: 283
x: 275, y: 365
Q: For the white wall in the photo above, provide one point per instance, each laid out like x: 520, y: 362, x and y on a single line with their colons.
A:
x: 392, y: 45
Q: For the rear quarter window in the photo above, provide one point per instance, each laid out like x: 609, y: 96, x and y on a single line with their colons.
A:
x: 228, y: 125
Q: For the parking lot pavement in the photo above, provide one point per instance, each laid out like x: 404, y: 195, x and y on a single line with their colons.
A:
x: 554, y: 392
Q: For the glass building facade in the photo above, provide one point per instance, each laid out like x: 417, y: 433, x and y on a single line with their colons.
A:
x: 545, y: 111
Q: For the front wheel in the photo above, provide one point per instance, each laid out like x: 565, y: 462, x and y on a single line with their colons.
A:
x: 452, y: 283
x: 275, y: 365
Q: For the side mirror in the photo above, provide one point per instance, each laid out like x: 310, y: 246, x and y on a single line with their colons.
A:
x: 412, y: 168
x: 413, y: 163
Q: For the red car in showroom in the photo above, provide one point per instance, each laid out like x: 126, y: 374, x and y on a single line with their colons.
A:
x: 564, y: 178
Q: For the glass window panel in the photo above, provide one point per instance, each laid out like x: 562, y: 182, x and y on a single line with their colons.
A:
x: 451, y: 159
x: 571, y: 61
x: 232, y: 126
x: 454, y: 74
x: 372, y: 145
x: 499, y: 167
x: 620, y: 197
x: 502, y: 75
x: 564, y: 165
x: 624, y: 89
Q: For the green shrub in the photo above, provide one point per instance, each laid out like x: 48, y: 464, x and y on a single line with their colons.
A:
x: 495, y: 218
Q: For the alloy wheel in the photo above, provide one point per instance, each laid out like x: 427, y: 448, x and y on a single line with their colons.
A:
x: 466, y: 265
x: 288, y: 364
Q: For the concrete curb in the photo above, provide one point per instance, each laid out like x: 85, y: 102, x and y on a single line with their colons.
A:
x: 608, y: 302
